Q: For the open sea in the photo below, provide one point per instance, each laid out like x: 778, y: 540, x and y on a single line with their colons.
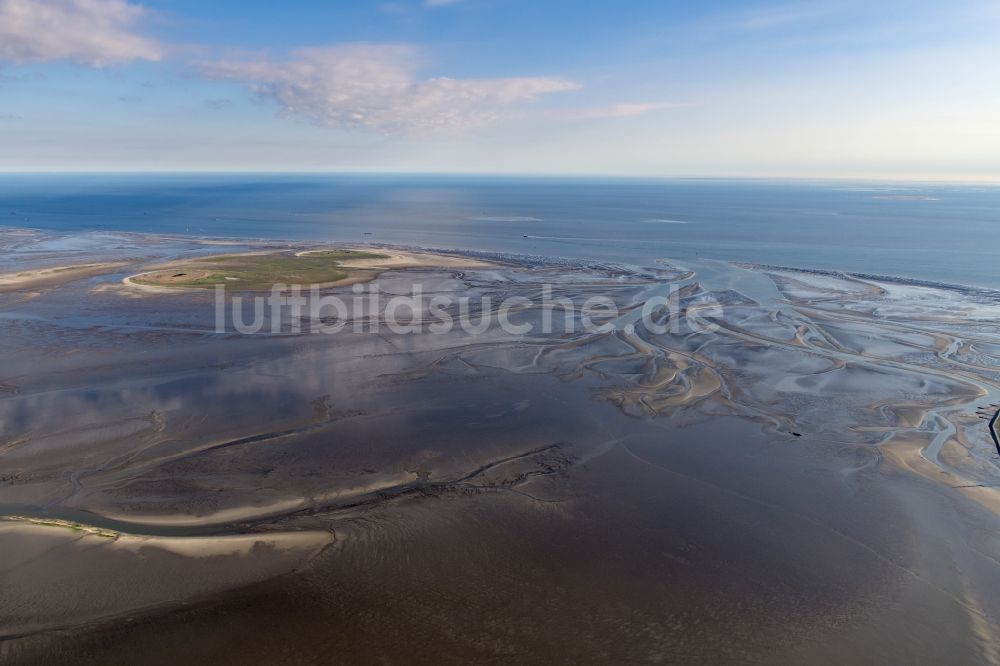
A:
x: 933, y: 232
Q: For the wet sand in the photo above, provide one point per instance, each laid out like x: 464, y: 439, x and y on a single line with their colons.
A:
x: 54, y: 276
x: 809, y: 482
x: 397, y: 259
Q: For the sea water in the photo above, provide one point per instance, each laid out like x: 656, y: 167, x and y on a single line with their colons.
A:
x: 935, y: 232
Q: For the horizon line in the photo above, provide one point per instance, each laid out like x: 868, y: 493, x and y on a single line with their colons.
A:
x: 898, y: 179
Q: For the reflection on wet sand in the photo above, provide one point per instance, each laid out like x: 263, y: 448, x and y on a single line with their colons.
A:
x: 807, y: 479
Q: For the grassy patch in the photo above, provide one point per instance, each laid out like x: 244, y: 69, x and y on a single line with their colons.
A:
x: 258, y: 272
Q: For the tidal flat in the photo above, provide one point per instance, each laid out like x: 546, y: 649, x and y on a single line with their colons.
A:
x: 808, y: 479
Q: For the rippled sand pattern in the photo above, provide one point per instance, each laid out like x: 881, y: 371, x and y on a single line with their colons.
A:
x: 809, y: 478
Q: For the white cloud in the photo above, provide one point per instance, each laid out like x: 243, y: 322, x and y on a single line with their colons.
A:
x: 620, y: 110
x: 780, y: 16
x: 373, y: 87
x: 96, y: 33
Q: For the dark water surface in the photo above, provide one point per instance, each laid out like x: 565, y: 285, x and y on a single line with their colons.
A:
x: 944, y: 233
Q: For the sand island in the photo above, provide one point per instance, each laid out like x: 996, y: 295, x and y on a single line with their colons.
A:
x: 259, y: 271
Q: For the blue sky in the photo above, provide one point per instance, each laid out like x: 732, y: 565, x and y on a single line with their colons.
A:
x: 828, y: 88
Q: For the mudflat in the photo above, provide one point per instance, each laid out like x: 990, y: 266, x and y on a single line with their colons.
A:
x: 806, y: 480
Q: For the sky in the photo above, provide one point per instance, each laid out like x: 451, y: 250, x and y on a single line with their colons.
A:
x: 820, y: 89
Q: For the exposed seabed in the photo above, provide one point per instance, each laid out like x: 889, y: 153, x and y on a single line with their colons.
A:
x: 808, y: 480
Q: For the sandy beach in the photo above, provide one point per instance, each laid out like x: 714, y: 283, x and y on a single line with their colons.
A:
x: 395, y: 258
x: 54, y: 276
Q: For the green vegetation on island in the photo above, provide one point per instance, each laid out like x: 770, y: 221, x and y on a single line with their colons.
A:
x: 259, y: 272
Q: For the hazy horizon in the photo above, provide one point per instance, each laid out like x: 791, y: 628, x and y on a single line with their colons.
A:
x: 526, y: 175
